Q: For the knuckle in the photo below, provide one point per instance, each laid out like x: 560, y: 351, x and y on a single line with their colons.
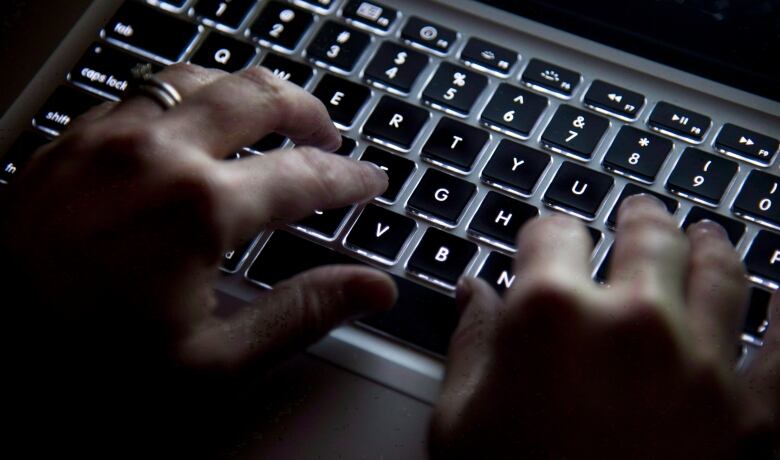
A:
x: 127, y: 148
x: 644, y: 323
x: 266, y: 82
x: 640, y: 218
x: 550, y: 298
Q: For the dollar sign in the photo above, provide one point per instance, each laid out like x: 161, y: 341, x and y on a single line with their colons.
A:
x: 400, y: 58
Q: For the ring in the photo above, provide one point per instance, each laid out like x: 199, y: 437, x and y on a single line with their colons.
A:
x: 148, y: 84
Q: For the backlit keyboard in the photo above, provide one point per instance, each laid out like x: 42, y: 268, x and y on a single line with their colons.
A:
x: 477, y: 137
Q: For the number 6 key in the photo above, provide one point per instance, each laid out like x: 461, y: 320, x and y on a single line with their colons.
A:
x: 701, y: 177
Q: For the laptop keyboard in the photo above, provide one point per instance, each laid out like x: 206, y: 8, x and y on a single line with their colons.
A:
x: 476, y: 137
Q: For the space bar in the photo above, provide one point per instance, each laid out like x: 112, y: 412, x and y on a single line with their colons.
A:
x: 421, y: 317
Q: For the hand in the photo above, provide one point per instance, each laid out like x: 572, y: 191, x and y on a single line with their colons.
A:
x: 562, y: 368
x: 111, y: 237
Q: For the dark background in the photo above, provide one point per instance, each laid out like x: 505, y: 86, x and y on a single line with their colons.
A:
x: 29, y: 31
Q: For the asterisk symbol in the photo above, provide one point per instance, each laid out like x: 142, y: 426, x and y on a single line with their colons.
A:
x: 644, y: 142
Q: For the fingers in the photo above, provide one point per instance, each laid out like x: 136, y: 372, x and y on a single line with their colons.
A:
x: 717, y: 290
x: 186, y: 78
x: 294, y: 314
x: 470, y: 344
x: 241, y: 108
x: 554, y: 249
x: 95, y: 113
x: 468, y: 356
x: 290, y: 185
x: 650, y: 254
x: 763, y: 379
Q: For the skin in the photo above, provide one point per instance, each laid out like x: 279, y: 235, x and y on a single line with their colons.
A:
x: 112, y: 235
x: 563, y: 368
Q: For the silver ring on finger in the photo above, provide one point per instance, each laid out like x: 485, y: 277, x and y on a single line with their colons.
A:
x: 147, y: 84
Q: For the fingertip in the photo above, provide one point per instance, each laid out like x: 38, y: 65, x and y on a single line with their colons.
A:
x: 378, y: 178
x: 706, y: 228
x: 370, y: 291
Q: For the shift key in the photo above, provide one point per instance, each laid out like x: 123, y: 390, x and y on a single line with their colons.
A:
x: 151, y: 32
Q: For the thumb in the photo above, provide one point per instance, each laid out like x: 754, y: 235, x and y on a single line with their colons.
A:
x: 296, y: 313
x: 468, y: 358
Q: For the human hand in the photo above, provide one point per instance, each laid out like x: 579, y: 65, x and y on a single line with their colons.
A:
x: 113, y: 233
x: 562, y: 368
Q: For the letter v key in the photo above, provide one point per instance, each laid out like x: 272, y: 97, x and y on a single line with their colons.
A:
x: 381, y: 230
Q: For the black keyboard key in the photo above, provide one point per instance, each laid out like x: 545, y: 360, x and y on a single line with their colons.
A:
x: 454, y: 89
x: 487, y: 56
x: 287, y: 69
x: 150, y: 31
x: 578, y: 190
x: 429, y: 35
x: 233, y: 259
x: 757, y: 319
x: 395, y: 123
x: 398, y: 170
x: 270, y: 142
x: 630, y: 190
x: 19, y: 153
x: 513, y: 110
x: 106, y: 70
x: 343, y: 98
x: 380, y: 232
x: 441, y: 197
x: 62, y: 107
x: 551, y: 78
x: 613, y: 100
x: 225, y: 53
x: 338, y: 46
x: 756, y: 199
x: 347, y: 147
x: 441, y: 258
x: 515, y: 167
x: 701, y: 176
x: 421, y: 316
x: 734, y: 228
x: 325, y: 223
x: 371, y: 14
x: 745, y: 144
x: 763, y: 258
x: 498, y: 271
x: 281, y: 25
x: 454, y: 145
x: 395, y: 67
x: 227, y: 13
x: 679, y: 122
x: 637, y: 154
x: 499, y: 218
x: 574, y: 132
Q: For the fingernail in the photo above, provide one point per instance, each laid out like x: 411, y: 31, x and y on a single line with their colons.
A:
x: 463, y: 294
x: 643, y: 199
x: 708, y: 227
x: 377, y: 169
